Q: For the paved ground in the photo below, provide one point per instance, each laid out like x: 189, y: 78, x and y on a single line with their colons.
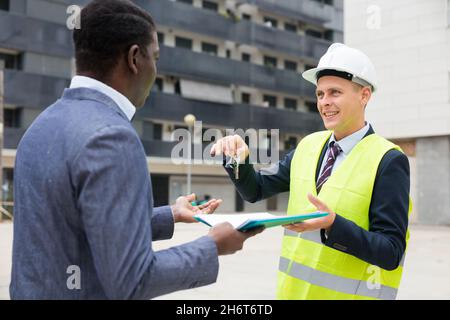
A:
x: 251, y: 274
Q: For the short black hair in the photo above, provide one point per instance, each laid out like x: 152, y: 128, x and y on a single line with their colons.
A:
x: 108, y: 29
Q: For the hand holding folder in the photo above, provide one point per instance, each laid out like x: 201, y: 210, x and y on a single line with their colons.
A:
x: 244, y: 222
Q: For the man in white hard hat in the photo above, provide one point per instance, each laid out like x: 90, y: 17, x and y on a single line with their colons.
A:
x: 358, y: 177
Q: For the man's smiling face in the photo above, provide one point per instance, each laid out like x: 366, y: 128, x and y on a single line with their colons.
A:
x: 341, y: 104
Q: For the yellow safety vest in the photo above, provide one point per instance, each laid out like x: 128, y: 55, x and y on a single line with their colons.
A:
x: 310, y: 270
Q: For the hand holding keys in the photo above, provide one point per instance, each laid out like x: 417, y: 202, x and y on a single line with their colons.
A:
x: 233, y: 147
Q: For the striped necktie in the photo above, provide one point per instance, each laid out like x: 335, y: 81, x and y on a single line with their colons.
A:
x: 335, y: 149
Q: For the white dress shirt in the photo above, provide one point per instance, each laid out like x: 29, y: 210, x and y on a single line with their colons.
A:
x: 124, y: 104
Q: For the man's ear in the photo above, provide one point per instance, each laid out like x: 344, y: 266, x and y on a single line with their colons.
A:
x: 366, y: 93
x: 132, y: 58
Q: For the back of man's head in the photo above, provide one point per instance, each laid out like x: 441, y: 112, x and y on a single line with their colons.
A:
x: 108, y: 29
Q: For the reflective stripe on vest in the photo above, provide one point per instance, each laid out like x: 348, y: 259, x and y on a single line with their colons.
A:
x: 311, y: 270
x: 336, y: 283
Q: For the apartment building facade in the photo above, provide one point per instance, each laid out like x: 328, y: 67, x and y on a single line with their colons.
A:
x: 232, y: 64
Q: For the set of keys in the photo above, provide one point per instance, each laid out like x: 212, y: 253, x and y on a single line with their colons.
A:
x: 235, y: 164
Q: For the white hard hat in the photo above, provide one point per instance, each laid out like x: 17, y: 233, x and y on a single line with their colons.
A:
x: 348, y: 63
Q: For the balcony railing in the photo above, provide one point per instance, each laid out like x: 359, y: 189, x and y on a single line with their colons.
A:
x: 32, y: 90
x: 237, y: 116
x: 186, y: 17
x: 37, y: 91
x: 299, y: 10
x: 279, y: 40
x: 205, y: 67
x: 23, y: 33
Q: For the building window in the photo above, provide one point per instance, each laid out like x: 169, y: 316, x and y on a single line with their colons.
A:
x: 185, y: 43
x: 290, y: 65
x: 246, y: 57
x: 186, y: 1
x: 330, y: 2
x: 157, y: 131
x: 160, y: 38
x: 209, y: 5
x: 311, y: 106
x: 4, y: 5
x: 178, y: 88
x: 328, y: 35
x: 159, y: 85
x: 209, y: 48
x: 12, y: 117
x: 270, y: 22
x: 269, y: 142
x: 314, y: 33
x: 290, y: 104
x: 10, y: 61
x: 270, y: 62
x: 290, y: 27
x: 308, y: 67
x: 270, y: 101
x: 228, y: 53
x: 8, y: 189
x: 290, y: 143
x: 245, y: 97
x: 246, y: 17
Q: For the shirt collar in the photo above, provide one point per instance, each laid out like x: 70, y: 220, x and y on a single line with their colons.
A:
x: 122, y: 102
x: 349, y: 142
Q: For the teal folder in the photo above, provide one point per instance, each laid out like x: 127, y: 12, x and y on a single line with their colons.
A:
x: 243, y: 222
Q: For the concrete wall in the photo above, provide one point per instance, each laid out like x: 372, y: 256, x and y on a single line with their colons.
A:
x: 433, y: 178
x: 409, y: 43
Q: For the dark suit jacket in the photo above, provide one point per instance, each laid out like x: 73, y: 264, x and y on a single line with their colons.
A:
x: 385, y: 242
x: 84, y: 216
